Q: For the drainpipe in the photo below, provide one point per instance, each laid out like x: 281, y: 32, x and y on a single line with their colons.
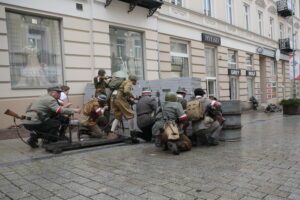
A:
x: 158, y: 51
x: 294, y: 66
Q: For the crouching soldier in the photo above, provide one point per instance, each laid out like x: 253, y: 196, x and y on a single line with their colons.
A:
x: 206, y: 130
x: 41, y: 117
x: 145, y: 110
x: 121, y: 101
x: 166, y: 129
x: 90, y: 116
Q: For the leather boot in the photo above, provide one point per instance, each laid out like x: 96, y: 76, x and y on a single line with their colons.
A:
x: 173, y: 147
x: 133, y: 135
x: 32, y: 141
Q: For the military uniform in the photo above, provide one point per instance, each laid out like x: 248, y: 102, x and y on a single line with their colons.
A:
x: 206, y: 129
x: 100, y: 85
x: 145, y: 110
x: 40, y: 117
x: 119, y: 104
x: 182, y: 101
x: 90, y: 116
x: 171, y: 111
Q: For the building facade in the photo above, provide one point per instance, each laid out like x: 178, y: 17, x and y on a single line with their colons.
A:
x: 232, y: 45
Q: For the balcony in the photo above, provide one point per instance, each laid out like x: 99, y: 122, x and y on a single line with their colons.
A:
x: 284, y: 8
x: 285, y: 45
x: 151, y: 5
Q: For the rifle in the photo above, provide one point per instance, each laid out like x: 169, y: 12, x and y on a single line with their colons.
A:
x: 12, y: 114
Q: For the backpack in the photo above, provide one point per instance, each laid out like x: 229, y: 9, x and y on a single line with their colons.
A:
x: 171, y: 131
x: 194, y: 110
x: 115, y: 83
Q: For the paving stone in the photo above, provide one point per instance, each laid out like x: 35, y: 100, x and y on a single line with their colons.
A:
x: 65, y: 193
x: 110, y: 191
x: 154, y: 196
x: 29, y: 198
x: 157, y: 189
x: 272, y: 197
x: 17, y: 194
x: 132, y: 189
x: 203, y: 195
x: 41, y: 193
x: 79, y: 197
x: 226, y: 194
x: 251, y: 193
x: 179, y: 195
x: 294, y: 197
x: 177, y: 187
x: 126, y: 196
x: 83, y: 190
x: 102, y: 197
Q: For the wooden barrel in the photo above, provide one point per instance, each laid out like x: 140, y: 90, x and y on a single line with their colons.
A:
x: 231, y: 130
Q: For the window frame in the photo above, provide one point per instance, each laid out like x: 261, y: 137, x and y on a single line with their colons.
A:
x: 183, y: 55
x: 271, y: 26
x: 60, y: 40
x: 249, y: 66
x: 175, y: 2
x: 250, y: 87
x: 236, y: 89
x: 230, y: 62
x: 247, y: 16
x: 281, y: 31
x: 206, y: 12
x: 143, y: 74
x: 229, y: 11
x: 260, y: 22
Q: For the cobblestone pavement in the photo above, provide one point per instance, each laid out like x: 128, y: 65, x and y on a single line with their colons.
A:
x: 265, y: 164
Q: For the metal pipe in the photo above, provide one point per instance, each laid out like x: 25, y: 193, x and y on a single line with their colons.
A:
x: 293, y: 38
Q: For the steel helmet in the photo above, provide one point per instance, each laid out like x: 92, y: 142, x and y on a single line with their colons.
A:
x: 171, y: 96
x: 132, y: 77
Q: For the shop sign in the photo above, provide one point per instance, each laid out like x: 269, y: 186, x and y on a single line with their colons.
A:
x: 250, y: 73
x: 234, y: 72
x: 265, y: 52
x: 211, y: 39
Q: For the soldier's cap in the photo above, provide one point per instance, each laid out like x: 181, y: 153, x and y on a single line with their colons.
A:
x: 55, y: 88
x: 147, y: 91
x: 181, y: 90
x: 199, y: 92
x: 101, y: 72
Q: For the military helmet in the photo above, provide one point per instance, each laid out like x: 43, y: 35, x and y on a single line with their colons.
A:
x: 181, y: 90
x: 171, y: 96
x: 101, y: 72
x: 132, y: 77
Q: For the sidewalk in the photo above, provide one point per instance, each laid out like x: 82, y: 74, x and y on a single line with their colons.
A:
x: 263, y: 165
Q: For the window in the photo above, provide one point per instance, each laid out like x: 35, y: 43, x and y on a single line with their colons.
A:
x: 232, y: 59
x: 290, y: 33
x: 273, y: 68
x: 249, y: 61
x: 126, y: 53
x: 208, y: 7
x: 34, y: 51
x: 177, y: 2
x: 260, y: 23
x: 274, y: 87
x: 229, y: 11
x: 233, y: 88
x: 179, y: 59
x: 210, y: 64
x: 271, y: 28
x: 281, y: 30
x: 247, y: 16
x: 250, y: 89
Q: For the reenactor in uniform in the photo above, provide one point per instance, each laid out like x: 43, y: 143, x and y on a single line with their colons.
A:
x: 171, y: 111
x: 121, y: 101
x: 41, y: 118
x: 100, y: 83
x: 206, y: 130
x: 145, y: 110
x: 181, y: 93
x: 90, y: 116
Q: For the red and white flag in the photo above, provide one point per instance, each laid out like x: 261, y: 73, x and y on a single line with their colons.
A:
x: 294, y: 64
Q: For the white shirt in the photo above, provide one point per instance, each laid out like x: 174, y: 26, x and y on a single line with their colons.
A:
x: 62, y: 98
